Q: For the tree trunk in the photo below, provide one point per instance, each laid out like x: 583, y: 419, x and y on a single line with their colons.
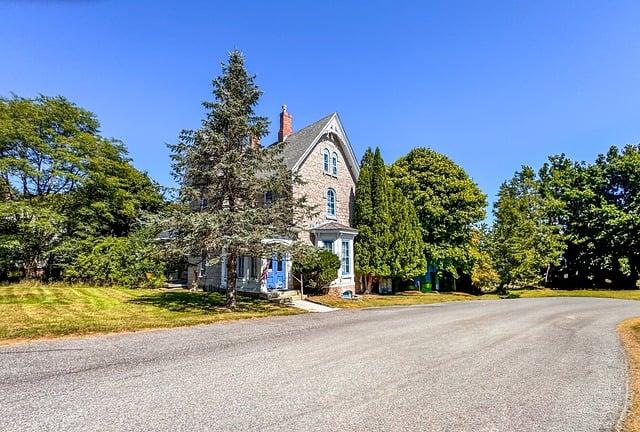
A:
x: 546, y: 275
x: 196, y: 277
x: 232, y: 258
x: 367, y: 284
x: 31, y: 268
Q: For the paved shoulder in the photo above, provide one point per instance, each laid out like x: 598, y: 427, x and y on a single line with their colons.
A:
x: 517, y: 365
x: 311, y: 306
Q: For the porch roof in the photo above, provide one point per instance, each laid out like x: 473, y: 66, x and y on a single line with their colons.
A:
x: 332, y: 226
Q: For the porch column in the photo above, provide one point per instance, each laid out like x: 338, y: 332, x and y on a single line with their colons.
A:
x: 223, y: 269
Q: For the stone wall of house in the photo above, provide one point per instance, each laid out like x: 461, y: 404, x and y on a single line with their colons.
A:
x: 211, y: 278
x: 317, y: 182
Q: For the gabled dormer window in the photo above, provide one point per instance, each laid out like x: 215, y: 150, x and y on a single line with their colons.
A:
x: 334, y: 164
x: 331, y: 202
x: 325, y: 160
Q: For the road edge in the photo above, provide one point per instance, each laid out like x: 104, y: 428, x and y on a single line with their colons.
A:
x: 629, y: 420
x: 98, y: 334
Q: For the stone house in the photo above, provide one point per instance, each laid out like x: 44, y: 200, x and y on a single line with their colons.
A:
x: 322, y: 156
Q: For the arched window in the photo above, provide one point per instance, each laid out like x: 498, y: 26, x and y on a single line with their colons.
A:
x: 331, y: 202
x: 334, y: 164
x: 325, y: 160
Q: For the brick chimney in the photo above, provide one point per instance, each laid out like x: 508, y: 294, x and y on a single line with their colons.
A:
x: 286, y: 124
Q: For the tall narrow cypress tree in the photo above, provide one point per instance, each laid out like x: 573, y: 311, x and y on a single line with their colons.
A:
x: 381, y: 198
x: 372, y: 219
x: 363, y: 221
x: 407, y: 247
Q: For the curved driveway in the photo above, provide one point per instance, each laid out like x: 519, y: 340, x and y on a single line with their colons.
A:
x: 550, y: 364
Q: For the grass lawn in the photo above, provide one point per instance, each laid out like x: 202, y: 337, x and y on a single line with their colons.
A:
x: 399, y: 299
x: 30, y: 311
x: 416, y: 298
x: 630, y: 335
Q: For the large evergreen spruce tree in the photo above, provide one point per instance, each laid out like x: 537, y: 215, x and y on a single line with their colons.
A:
x: 220, y: 167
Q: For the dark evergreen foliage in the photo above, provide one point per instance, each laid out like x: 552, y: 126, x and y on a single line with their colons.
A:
x: 389, y: 243
x: 407, y: 258
x: 218, y: 165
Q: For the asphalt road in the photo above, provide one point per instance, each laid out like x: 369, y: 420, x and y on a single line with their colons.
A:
x: 512, y: 365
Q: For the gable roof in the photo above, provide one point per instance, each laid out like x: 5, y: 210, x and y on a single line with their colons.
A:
x: 298, y: 142
x: 297, y: 146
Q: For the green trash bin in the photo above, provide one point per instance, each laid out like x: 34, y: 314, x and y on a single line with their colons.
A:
x: 425, y: 286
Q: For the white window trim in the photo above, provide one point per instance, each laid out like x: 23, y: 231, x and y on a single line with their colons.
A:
x: 326, y: 156
x: 202, y: 271
x: 349, y: 261
x: 335, y: 202
x: 241, y: 269
x: 334, y: 164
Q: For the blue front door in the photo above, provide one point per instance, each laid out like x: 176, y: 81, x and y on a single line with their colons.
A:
x: 276, y: 272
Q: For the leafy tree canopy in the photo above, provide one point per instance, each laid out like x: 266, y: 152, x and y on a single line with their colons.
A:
x: 597, y: 209
x: 526, y: 245
x: 61, y: 181
x: 317, y: 267
x: 448, y: 204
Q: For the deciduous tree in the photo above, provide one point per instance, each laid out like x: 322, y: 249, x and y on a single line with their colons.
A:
x: 61, y: 183
x: 448, y: 204
x: 526, y: 244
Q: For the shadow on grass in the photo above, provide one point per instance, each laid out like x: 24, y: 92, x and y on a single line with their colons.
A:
x: 184, y: 301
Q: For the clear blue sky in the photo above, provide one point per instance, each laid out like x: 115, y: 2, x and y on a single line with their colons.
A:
x: 493, y: 85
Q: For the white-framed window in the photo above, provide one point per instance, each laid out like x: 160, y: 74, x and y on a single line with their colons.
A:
x: 328, y: 245
x: 240, y: 267
x: 202, y: 271
x: 346, y: 258
x: 334, y: 164
x: 253, y: 270
x: 331, y: 202
x: 325, y: 160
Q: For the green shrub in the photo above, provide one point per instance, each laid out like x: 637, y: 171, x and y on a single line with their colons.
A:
x: 318, y: 268
x: 125, y: 261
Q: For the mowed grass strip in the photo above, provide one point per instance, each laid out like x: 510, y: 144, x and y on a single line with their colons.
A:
x: 416, y: 298
x: 30, y: 311
x: 399, y: 299
x: 630, y: 335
